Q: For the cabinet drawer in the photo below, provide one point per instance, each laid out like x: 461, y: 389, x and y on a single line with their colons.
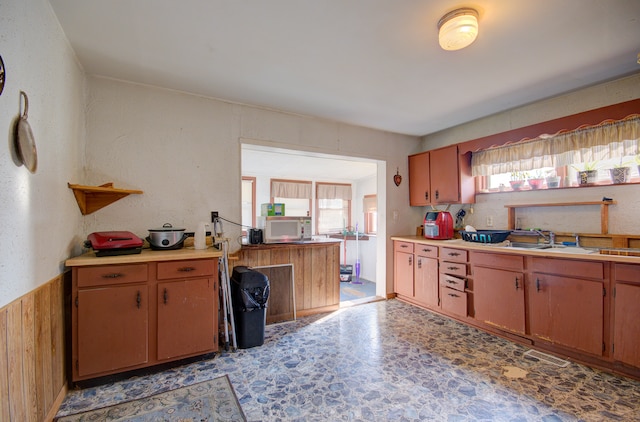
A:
x: 426, y: 250
x: 399, y: 246
x: 453, y: 268
x: 112, y: 274
x: 186, y: 269
x: 454, y: 301
x: 452, y: 282
x: 456, y: 255
x: 492, y: 260
x: 576, y: 269
x: 627, y: 272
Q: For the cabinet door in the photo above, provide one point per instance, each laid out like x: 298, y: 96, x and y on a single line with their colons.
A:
x: 419, y: 181
x: 112, y: 328
x: 186, y: 317
x: 403, y: 277
x: 426, y: 281
x: 626, y: 328
x: 445, y: 175
x: 567, y: 311
x: 499, y: 298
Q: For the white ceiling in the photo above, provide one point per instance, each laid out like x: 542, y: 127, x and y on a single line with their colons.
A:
x: 373, y: 63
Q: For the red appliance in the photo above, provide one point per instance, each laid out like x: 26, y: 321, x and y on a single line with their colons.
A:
x: 438, y: 225
x: 114, y: 243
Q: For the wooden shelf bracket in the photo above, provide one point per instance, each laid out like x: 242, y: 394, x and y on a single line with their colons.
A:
x: 93, y: 198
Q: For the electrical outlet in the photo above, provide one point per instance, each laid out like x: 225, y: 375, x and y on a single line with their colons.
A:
x: 214, y: 216
x: 490, y: 221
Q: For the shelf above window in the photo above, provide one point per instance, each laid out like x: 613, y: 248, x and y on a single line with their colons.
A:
x: 92, y: 198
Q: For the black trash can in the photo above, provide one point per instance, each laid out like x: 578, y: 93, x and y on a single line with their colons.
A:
x: 249, y: 294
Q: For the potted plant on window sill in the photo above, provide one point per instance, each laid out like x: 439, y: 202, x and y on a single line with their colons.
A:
x: 518, y: 178
x: 536, y: 181
x: 553, y: 180
x: 620, y: 172
x: 589, y: 173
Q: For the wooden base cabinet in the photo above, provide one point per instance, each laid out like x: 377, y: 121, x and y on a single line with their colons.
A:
x: 453, y: 281
x: 416, y: 273
x: 498, y: 292
x: 626, y: 325
x: 131, y: 316
x: 566, y: 303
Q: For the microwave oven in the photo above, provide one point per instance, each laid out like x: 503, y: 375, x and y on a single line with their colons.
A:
x: 281, y: 229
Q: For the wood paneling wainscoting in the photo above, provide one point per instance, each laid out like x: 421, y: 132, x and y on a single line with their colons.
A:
x: 32, y: 354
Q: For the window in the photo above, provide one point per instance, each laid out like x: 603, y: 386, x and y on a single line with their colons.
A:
x: 294, y: 194
x: 248, y: 203
x: 559, y: 158
x: 333, y: 203
x: 370, y: 209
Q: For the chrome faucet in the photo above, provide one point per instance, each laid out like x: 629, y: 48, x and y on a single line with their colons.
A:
x: 577, y: 240
x: 550, y: 239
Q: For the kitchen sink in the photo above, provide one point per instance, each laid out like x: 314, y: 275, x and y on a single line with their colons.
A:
x: 553, y: 248
x: 525, y: 245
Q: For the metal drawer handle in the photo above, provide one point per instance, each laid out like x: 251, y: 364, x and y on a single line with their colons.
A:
x: 454, y: 254
x: 426, y: 250
x: 404, y: 246
x: 451, y: 281
x: 138, y: 299
x: 517, y: 285
x: 453, y: 268
x: 165, y: 296
x: 419, y: 263
x: 537, y: 284
x: 114, y: 275
x: 453, y: 295
x: 186, y: 269
x: 410, y: 260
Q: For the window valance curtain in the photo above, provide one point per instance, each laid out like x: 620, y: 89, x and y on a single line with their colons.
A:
x: 286, y: 189
x: 610, y: 139
x: 369, y: 204
x: 333, y: 191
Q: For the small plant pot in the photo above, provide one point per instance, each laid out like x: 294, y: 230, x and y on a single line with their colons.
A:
x: 536, y: 183
x: 619, y: 175
x: 516, y: 184
x: 587, y: 177
x: 553, y: 182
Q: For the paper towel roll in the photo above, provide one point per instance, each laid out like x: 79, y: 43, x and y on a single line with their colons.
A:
x: 200, y: 236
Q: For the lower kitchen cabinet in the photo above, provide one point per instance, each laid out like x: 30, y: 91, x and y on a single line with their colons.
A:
x: 186, y: 317
x: 130, y: 316
x: 566, y: 303
x: 498, y: 293
x: 626, y: 325
x: 403, y: 269
x: 499, y: 298
x: 112, y: 328
x: 453, y: 281
x: 416, y: 273
x: 426, y: 275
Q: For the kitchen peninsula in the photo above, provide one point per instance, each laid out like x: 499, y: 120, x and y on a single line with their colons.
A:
x: 573, y: 302
x: 316, y: 266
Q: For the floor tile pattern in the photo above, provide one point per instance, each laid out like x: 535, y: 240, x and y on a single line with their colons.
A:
x: 390, y: 361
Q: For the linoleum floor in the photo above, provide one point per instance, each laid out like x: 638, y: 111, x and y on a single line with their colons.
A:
x: 390, y: 361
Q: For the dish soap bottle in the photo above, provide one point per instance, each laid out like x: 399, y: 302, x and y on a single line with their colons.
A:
x: 200, y: 237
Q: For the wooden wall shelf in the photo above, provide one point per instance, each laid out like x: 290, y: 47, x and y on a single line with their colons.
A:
x: 604, y: 211
x: 93, y: 198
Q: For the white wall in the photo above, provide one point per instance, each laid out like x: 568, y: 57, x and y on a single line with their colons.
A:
x: 38, y: 213
x: 622, y: 217
x: 183, y: 151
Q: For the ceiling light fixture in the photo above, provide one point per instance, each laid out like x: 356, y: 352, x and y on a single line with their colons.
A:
x: 458, y: 28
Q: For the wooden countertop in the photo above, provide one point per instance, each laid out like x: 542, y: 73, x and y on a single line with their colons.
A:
x: 317, y: 242
x: 500, y: 248
x: 147, y: 255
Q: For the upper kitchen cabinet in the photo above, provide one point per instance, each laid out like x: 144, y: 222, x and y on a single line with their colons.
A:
x: 440, y: 176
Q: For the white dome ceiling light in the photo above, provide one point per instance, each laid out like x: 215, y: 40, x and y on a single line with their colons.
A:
x: 458, y: 29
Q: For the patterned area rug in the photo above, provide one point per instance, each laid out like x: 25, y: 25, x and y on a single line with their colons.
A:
x: 213, y: 400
